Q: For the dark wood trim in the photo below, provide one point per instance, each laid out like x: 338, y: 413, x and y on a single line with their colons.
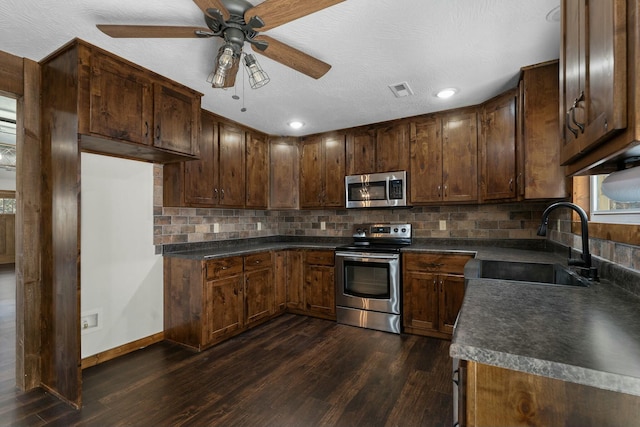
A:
x: 28, y: 231
x: 107, y: 355
x: 60, y: 351
x: 11, y: 74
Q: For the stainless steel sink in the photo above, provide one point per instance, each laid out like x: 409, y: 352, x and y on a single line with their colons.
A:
x: 552, y: 274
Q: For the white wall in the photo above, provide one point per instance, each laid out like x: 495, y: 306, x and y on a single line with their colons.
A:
x: 121, y: 277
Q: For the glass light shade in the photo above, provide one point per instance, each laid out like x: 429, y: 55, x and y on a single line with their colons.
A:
x: 224, y: 63
x: 257, y: 76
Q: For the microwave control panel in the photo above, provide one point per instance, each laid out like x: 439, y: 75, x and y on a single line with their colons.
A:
x: 395, y: 189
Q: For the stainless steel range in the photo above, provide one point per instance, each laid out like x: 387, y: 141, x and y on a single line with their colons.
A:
x: 368, y: 277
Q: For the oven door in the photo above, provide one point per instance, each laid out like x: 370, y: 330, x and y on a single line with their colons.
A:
x: 368, y: 281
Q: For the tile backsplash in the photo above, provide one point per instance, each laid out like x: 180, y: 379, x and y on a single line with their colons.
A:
x: 494, y: 221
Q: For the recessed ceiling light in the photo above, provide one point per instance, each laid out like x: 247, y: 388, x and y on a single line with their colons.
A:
x: 295, y: 124
x: 446, y: 93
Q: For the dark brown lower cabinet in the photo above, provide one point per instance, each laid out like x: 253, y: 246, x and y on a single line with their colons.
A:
x: 433, y: 290
x: 208, y: 301
x: 501, y: 397
x: 310, y: 287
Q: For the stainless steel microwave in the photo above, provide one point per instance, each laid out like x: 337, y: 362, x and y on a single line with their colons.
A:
x: 376, y: 190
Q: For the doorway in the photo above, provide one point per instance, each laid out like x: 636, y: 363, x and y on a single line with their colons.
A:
x: 8, y: 119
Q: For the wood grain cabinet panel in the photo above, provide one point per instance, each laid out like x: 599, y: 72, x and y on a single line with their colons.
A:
x: 433, y: 290
x: 593, y: 74
x: 498, y: 148
x: 392, y: 147
x: 361, y: 151
x: 444, y: 158
x: 176, y: 119
x: 257, y: 167
x: 322, y: 171
x: 540, y: 175
x: 319, y: 284
x: 208, y: 301
x: 501, y: 397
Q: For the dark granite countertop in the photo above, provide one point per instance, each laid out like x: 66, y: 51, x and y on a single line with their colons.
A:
x: 588, y: 336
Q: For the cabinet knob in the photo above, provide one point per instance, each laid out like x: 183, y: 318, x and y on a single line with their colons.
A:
x: 215, y: 193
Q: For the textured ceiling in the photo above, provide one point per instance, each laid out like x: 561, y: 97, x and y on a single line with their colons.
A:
x: 476, y: 46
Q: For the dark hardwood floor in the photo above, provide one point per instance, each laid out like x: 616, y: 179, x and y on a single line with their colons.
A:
x: 292, y: 371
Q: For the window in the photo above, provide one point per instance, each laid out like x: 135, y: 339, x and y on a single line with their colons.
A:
x: 606, y: 210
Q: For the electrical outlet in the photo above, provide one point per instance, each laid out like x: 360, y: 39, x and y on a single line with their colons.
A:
x: 259, y: 226
x: 91, y: 321
x: 443, y: 225
x: 216, y: 227
x: 323, y: 225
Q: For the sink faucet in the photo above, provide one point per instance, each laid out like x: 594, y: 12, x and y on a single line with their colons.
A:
x: 584, y: 263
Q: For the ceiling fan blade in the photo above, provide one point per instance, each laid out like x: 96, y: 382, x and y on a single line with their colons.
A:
x: 293, y: 58
x: 277, y: 12
x: 212, y: 4
x: 153, y: 31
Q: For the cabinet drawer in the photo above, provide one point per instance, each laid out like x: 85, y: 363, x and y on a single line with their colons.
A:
x: 257, y: 261
x: 319, y: 257
x: 224, y: 267
x: 446, y: 263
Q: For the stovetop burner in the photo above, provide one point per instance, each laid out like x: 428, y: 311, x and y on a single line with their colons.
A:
x: 379, y: 238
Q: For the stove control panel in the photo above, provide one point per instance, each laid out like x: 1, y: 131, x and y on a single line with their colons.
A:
x: 382, y: 231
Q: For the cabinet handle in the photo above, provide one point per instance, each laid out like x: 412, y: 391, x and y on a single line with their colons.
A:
x: 511, y: 184
x: 573, y: 112
x: 445, y: 190
x: 146, y: 129
x: 158, y: 132
x: 224, y: 267
x: 256, y: 262
x: 215, y: 193
x: 434, y: 265
x: 568, y: 121
x: 222, y: 194
x: 456, y: 377
x: 439, y: 191
x: 435, y: 285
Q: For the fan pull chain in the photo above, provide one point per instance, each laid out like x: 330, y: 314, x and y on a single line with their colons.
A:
x: 243, y: 109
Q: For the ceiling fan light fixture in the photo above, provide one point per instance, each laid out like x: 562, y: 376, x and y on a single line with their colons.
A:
x: 224, y: 62
x: 257, y: 76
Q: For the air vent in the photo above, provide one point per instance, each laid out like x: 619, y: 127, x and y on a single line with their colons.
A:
x: 401, y: 90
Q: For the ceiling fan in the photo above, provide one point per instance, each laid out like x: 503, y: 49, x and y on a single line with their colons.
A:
x: 237, y: 22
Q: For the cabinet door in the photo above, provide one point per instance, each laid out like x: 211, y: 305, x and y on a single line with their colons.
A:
x: 426, y: 160
x: 498, y: 148
x: 333, y: 180
x: 392, y: 148
x: 460, y: 158
x: 451, y: 289
x: 420, y: 301
x: 295, y: 280
x: 361, y: 152
x: 258, y: 293
x: 284, y: 174
x: 540, y: 174
x: 257, y: 171
x: 121, y: 102
x: 311, y: 173
x: 593, y: 85
x: 280, y: 281
x: 319, y: 290
x: 176, y: 119
x: 231, y: 166
x: 201, y: 175
x: 223, y: 307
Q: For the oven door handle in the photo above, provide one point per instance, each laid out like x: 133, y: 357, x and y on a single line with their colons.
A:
x: 361, y: 256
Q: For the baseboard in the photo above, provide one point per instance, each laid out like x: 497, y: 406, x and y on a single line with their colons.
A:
x: 121, y: 350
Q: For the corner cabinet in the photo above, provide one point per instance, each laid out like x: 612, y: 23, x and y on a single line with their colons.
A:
x: 207, y: 301
x: 498, y: 166
x: 433, y: 290
x: 596, y: 74
x: 540, y: 175
x: 311, y: 283
x: 127, y: 111
x: 444, y: 158
x: 322, y: 171
x: 231, y: 172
